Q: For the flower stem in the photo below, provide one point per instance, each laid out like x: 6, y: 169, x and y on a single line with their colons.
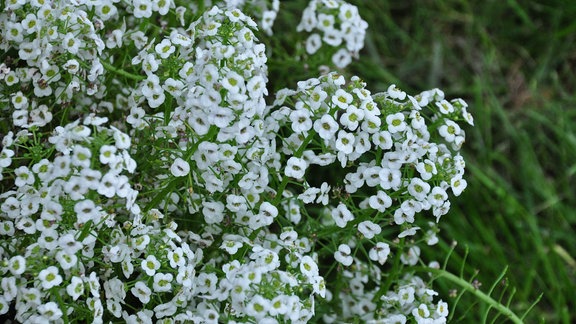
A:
x: 439, y: 273
x: 121, y: 72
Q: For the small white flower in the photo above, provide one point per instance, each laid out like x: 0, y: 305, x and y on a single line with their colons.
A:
x: 50, y: 311
x: 301, y: 121
x: 179, y: 168
x: 308, y: 267
x: 442, y: 309
x: 458, y: 185
x: 295, y: 167
x: 49, y: 277
x: 66, y: 261
x: 445, y: 107
x: 369, y: 229
x: 164, y: 48
x: 75, y: 288
x: 231, y: 246
x: 437, y: 196
x: 150, y: 265
x: 421, y: 313
x: 380, y: 201
x: 343, y: 255
x: 326, y: 127
x: 396, y: 122
x: 313, y: 43
x: 342, y: 99
x: 17, y: 265
x: 406, y: 295
x: 162, y: 282
x: 449, y: 131
x: 379, y: 252
x: 341, y: 215
x: 426, y: 169
x: 213, y: 211
x: 345, y: 142
x: 395, y: 93
x: 142, y: 292
x: 418, y: 188
x: 409, y: 232
x: 257, y: 306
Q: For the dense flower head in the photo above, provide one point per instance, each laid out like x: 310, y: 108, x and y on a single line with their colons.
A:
x: 333, y: 23
x: 147, y: 179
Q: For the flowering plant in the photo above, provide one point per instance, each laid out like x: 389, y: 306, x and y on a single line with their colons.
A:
x: 150, y: 175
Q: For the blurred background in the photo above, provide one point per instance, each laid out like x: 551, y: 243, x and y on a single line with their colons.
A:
x: 514, y: 62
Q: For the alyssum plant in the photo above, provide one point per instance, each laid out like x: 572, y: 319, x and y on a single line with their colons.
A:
x: 149, y: 175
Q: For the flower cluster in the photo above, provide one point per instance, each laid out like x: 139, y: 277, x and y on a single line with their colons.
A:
x: 145, y: 177
x: 398, y: 156
x: 337, y: 24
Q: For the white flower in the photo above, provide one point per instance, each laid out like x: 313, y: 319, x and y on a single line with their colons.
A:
x: 142, y: 8
x: 257, y: 306
x: 379, y: 252
x: 445, y: 107
x: 449, y: 130
x: 426, y: 169
x: 142, y: 292
x: 150, y: 265
x: 345, y: 142
x: 409, y: 232
x: 295, y: 167
x: 369, y: 229
x: 108, y: 154
x: 406, y: 295
x: 176, y: 257
x: 342, y: 58
x: 380, y: 201
x: 179, y: 168
x: 162, y: 282
x: 326, y: 127
x: 442, y: 309
x: 396, y: 122
x: 23, y: 176
x: 278, y: 305
x: 231, y: 246
x: 341, y: 215
x: 313, y: 43
x: 49, y: 277
x: 342, y: 99
x: 390, y: 178
x: 71, y: 43
x: 343, y: 255
x: 437, y: 196
x: 410, y: 256
x: 164, y: 48
x: 17, y: 265
x: 75, y: 288
x: 395, y: 93
x: 50, y: 311
x: 421, y: 313
x: 301, y: 121
x: 66, y: 261
x: 458, y: 185
x: 308, y: 267
x: 213, y: 211
x: 418, y: 188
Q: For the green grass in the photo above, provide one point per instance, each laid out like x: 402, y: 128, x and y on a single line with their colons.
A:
x: 513, y: 62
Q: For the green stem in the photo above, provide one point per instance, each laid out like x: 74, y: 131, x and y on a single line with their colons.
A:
x: 63, y: 307
x: 439, y: 273
x: 121, y: 72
